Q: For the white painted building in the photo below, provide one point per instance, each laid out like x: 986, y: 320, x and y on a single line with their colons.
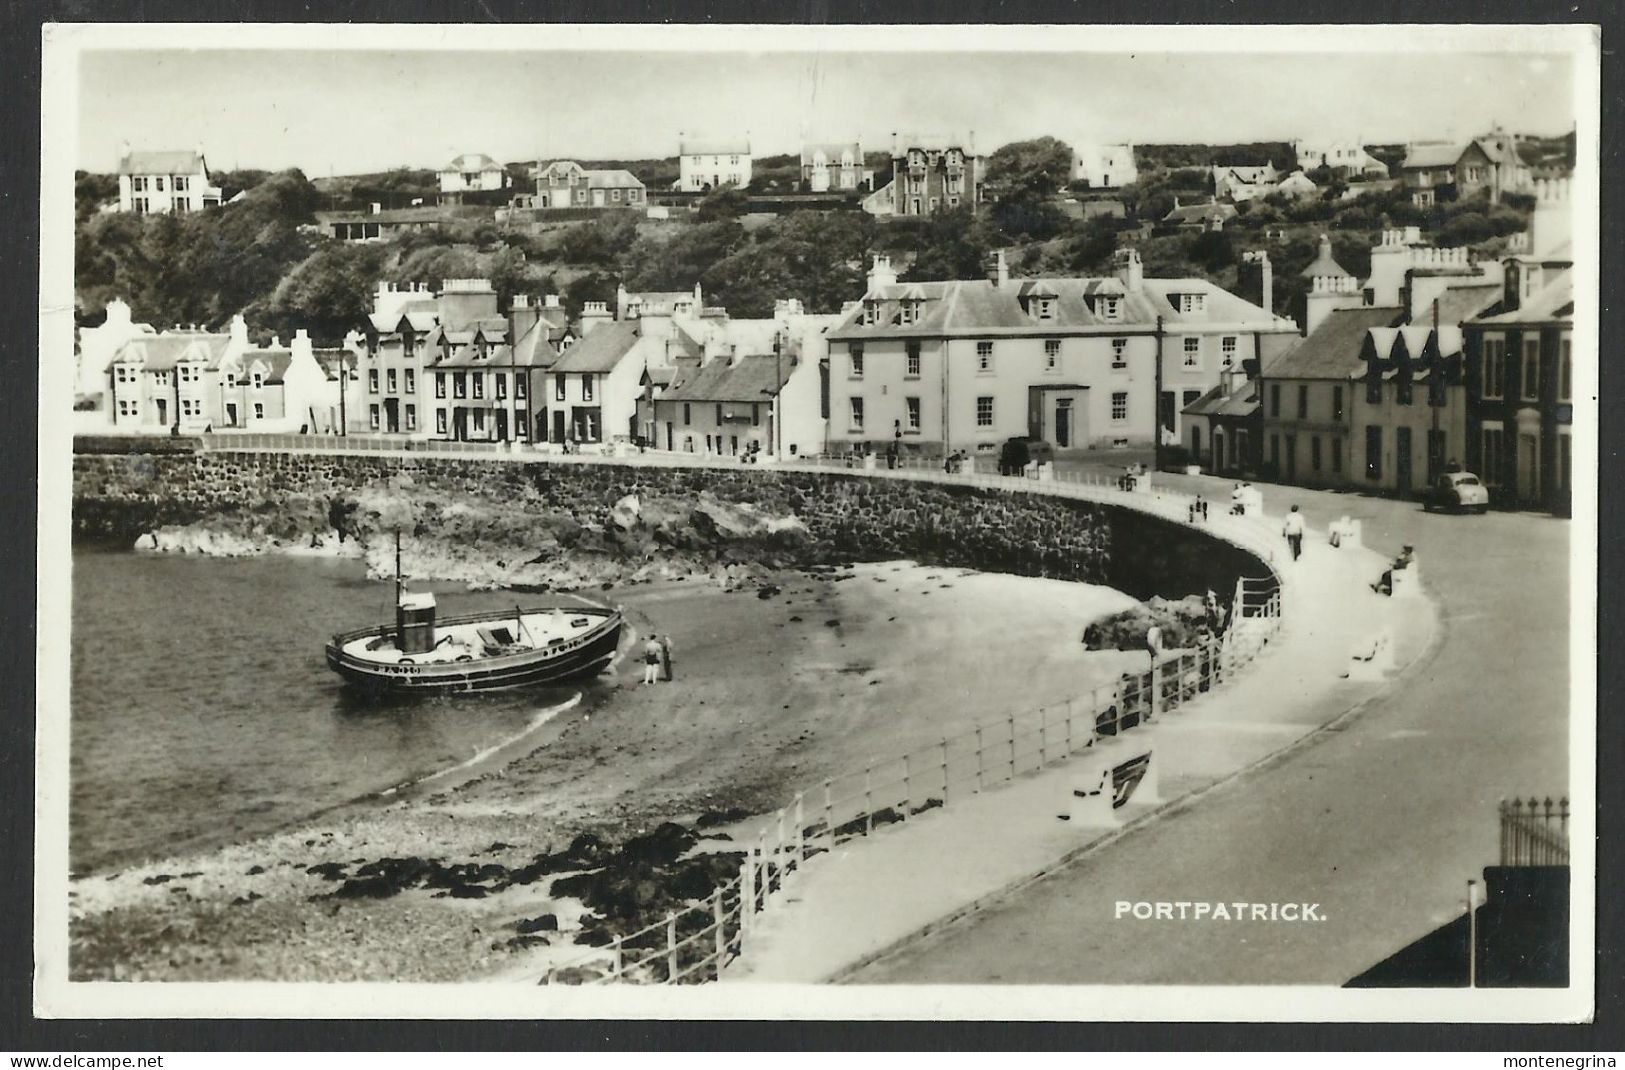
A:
x: 98, y: 345
x: 1104, y: 166
x: 1346, y: 154
x: 472, y: 172
x: 709, y: 165
x: 163, y: 182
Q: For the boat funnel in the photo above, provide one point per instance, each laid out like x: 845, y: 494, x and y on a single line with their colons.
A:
x: 414, y: 623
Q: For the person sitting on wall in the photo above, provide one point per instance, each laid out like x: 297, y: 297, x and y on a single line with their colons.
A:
x: 1385, y: 585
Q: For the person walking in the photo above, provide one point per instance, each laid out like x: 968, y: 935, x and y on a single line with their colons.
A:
x: 1293, y: 530
x: 665, y: 658
x: 651, y: 660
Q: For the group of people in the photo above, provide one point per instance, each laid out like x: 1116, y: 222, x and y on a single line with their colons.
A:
x: 954, y: 463
x: 1198, y: 509
x: 1244, y: 496
x: 657, y: 659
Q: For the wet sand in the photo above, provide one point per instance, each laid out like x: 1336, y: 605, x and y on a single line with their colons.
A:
x: 771, y: 694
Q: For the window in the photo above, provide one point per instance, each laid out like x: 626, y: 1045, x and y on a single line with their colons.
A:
x: 1109, y: 308
x: 1275, y: 400
x: 1493, y: 459
x: 857, y: 362
x: 688, y: 415
x: 440, y: 421
x: 259, y: 380
x: 1192, y: 302
x: 411, y: 417
x: 615, y: 195
x: 1337, y: 403
x: 231, y: 379
x: 1227, y: 346
x: 910, y: 311
x: 1531, y: 369
x: 1119, y: 354
x: 140, y: 204
x: 1052, y: 353
x: 1193, y: 352
x: 372, y: 380
x: 1373, y: 451
x: 1314, y: 452
x: 856, y: 422
x: 558, y: 388
x: 372, y: 415
x: 1565, y: 371
x: 586, y: 386
x: 502, y: 385
x: 1189, y: 398
x: 1337, y: 455
x: 393, y: 385
x: 1044, y: 308
x: 259, y: 410
x: 984, y: 411
x: 1275, y: 450
x: 1303, y: 401
x: 519, y: 386
x: 912, y: 409
x: 180, y: 184
x: 1119, y: 406
x: 871, y: 313
x: 1494, y: 367
x: 139, y: 183
x: 411, y: 381
x: 479, y: 384
x: 984, y: 358
x: 439, y: 384
x: 158, y: 183
x: 719, y: 417
x: 911, y: 365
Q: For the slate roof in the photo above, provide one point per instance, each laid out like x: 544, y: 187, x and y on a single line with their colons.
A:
x: 1325, y: 264
x: 276, y: 362
x: 601, y: 349
x: 472, y: 161
x: 161, y: 352
x: 613, y: 178
x: 1241, y: 401
x: 714, y: 148
x: 1333, y: 350
x: 332, y: 360
x: 748, y: 378
x: 1200, y: 213
x: 1431, y: 156
x: 180, y: 162
x: 1553, y: 302
x: 832, y: 153
x: 1459, y: 304
x: 979, y: 308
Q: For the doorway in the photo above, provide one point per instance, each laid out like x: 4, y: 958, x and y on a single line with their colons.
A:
x: 1529, y: 468
x: 1402, y: 459
x: 502, y: 425
x: 558, y: 426
x: 1291, y: 457
x: 392, y: 414
x: 231, y: 414
x: 1063, y: 423
x: 163, y: 412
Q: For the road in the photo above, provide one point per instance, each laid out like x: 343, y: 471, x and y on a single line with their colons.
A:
x: 1380, y: 822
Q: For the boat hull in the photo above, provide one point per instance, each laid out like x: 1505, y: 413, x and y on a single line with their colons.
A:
x: 587, y: 655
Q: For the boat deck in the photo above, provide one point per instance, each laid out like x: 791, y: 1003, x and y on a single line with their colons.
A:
x: 493, y: 637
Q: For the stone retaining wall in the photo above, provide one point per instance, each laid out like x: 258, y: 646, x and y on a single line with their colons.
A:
x: 848, y: 517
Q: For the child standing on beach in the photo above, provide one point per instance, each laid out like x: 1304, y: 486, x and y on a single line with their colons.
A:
x: 651, y: 660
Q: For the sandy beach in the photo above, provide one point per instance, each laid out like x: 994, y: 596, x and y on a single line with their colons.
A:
x: 809, y: 675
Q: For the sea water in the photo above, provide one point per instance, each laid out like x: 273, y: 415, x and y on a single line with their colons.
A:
x: 203, y: 711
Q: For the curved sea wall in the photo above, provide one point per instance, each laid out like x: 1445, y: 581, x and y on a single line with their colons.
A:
x: 620, y: 516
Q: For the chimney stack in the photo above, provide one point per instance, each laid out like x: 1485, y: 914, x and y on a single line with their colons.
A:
x: 1130, y: 269
x: 1002, y: 268
x: 1266, y: 284
x: 881, y: 274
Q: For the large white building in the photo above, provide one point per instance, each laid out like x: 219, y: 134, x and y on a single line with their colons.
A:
x: 164, y: 182
x: 1104, y: 166
x: 1079, y: 362
x: 1346, y: 154
x: 472, y: 172
x: 709, y: 165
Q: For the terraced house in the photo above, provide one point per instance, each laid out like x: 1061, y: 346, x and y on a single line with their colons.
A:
x: 1084, y: 363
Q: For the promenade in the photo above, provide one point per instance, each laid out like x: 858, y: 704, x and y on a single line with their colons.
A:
x: 907, y: 881
x: 1380, y: 820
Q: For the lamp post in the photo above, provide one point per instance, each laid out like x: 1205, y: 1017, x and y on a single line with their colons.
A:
x: 1156, y: 408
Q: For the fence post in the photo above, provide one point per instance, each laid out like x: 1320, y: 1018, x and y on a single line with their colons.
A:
x: 1010, y: 722
x: 719, y: 919
x: 908, y: 788
x: 829, y: 814
x: 801, y: 834
x: 671, y: 949
x: 1043, y: 739
x: 1069, y: 728
x: 1094, y: 713
x: 944, y: 772
x: 868, y: 801
x: 618, y: 963
x: 778, y: 849
x: 978, y: 758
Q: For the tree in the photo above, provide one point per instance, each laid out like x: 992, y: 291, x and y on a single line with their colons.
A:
x: 1468, y: 228
x: 328, y: 294
x: 728, y: 202
x: 952, y: 245
x: 678, y: 261
x: 1036, y: 168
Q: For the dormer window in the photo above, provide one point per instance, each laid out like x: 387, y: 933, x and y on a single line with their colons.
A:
x: 1188, y: 303
x: 911, y: 307
x: 1043, y: 307
x: 1109, y: 308
x: 871, y: 312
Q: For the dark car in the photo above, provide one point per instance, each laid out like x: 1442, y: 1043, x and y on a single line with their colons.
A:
x: 1457, y: 492
x: 1020, y: 451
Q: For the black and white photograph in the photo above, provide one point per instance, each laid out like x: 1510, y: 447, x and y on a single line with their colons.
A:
x: 970, y: 522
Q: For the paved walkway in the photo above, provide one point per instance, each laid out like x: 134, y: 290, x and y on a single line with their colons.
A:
x: 874, y: 892
x: 1380, y: 821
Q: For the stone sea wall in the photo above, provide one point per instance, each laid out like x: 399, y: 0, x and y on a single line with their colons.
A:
x: 604, y: 520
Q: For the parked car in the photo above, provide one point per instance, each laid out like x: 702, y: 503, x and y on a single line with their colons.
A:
x: 1020, y: 451
x: 1457, y: 492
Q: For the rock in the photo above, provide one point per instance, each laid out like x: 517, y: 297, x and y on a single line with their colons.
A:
x: 624, y: 514
x: 768, y: 590
x: 331, y: 871
x: 543, y: 923
x: 661, y: 847
x: 159, y: 878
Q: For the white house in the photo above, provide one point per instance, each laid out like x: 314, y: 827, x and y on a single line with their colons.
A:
x: 472, y: 172
x: 278, y: 388
x: 832, y: 167
x: 1104, y: 166
x: 162, y: 182
x: 167, y: 381
x: 1346, y: 154
x: 98, y: 345
x: 708, y: 165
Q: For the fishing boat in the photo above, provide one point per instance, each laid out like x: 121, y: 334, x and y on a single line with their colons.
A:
x: 476, y: 651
